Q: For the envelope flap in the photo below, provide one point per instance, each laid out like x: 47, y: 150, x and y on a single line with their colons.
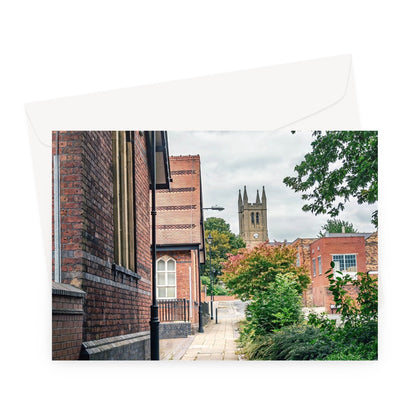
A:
x: 259, y: 99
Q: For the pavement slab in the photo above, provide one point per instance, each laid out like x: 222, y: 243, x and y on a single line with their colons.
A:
x: 217, y: 342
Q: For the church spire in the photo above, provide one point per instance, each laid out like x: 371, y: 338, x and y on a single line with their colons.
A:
x: 257, y: 197
x: 252, y: 218
x: 245, y: 197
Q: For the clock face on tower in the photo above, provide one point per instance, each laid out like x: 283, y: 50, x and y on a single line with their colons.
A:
x: 256, y: 235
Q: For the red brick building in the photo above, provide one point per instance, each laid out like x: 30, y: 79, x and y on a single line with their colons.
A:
x: 303, y: 258
x: 351, y: 253
x: 180, y: 240
x: 101, y: 240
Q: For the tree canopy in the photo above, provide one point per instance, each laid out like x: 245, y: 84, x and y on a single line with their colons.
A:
x: 250, y: 272
x: 341, y: 165
x: 223, y: 243
x: 337, y: 226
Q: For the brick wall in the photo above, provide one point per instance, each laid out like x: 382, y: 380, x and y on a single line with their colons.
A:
x: 179, y: 210
x: 117, y: 301
x: 371, y: 252
x: 67, y: 317
x: 304, y: 255
x: 325, y: 247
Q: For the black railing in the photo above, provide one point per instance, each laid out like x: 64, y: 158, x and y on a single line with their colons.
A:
x: 171, y: 310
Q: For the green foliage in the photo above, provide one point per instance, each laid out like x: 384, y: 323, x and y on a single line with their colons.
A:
x: 223, y: 243
x: 301, y: 342
x: 250, y: 273
x: 342, y: 164
x: 336, y: 226
x: 365, y: 307
x: 321, y: 338
x: 275, y: 308
x: 357, y: 337
x: 218, y: 288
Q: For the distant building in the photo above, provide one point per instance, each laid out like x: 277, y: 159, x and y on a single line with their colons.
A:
x: 252, y: 218
x: 303, y: 258
x: 351, y: 252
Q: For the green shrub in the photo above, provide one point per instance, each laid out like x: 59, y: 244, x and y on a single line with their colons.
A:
x: 357, y: 337
x: 275, y: 308
x: 302, y: 342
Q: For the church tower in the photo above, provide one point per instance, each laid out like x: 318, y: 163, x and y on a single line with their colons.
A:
x: 252, y: 218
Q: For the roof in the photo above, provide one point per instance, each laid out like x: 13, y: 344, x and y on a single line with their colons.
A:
x: 179, y: 210
x: 365, y: 235
x: 161, y: 157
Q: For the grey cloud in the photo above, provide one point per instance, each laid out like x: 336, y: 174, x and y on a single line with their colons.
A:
x: 232, y: 159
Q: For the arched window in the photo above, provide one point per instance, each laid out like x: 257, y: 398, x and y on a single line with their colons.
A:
x: 166, y: 278
x: 257, y: 217
x: 252, y: 217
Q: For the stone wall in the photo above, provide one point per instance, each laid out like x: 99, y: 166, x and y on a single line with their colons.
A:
x: 124, y: 347
x: 169, y: 330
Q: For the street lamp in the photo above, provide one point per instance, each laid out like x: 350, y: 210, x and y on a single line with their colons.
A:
x: 209, y: 240
x: 215, y: 208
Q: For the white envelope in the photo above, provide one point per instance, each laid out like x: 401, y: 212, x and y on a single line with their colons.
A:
x: 316, y: 94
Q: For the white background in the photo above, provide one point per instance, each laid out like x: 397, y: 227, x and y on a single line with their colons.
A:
x: 53, y: 49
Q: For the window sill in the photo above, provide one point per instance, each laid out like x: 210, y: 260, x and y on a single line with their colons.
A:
x: 117, y: 269
x: 353, y: 275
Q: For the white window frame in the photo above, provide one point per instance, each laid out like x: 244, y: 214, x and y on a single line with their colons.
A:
x: 319, y: 265
x: 314, y: 267
x: 353, y: 274
x: 165, y: 272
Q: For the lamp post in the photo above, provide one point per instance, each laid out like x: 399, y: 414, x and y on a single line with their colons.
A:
x: 209, y: 240
x: 154, y: 309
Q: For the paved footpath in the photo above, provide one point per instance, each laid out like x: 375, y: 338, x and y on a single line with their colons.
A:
x: 217, y: 342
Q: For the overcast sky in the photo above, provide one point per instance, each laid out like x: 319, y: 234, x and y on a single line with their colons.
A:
x: 230, y: 160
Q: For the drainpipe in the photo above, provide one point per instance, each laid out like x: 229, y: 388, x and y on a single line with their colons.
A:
x: 190, y: 293
x: 200, y: 323
x: 154, y: 309
x: 57, y: 212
